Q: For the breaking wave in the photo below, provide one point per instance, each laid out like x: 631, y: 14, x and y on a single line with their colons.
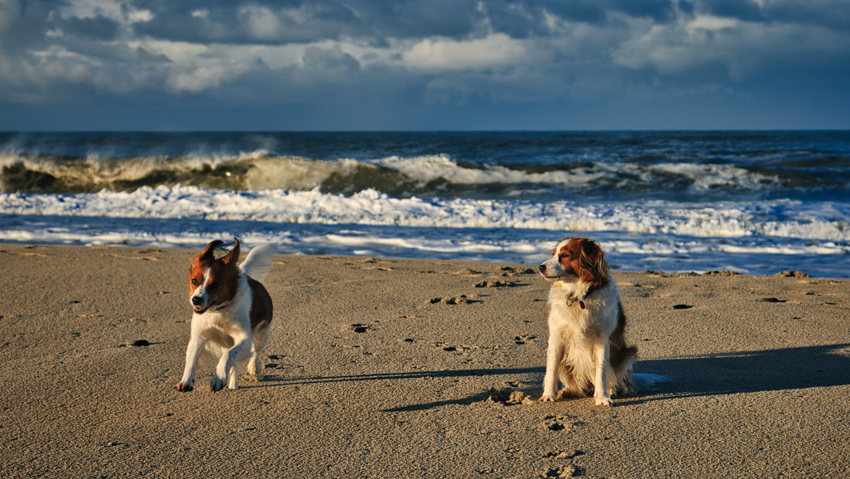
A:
x: 423, y: 176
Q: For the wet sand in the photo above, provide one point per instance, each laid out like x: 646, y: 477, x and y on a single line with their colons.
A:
x: 386, y: 368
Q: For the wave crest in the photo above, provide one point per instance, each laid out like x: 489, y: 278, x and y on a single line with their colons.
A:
x: 428, y: 175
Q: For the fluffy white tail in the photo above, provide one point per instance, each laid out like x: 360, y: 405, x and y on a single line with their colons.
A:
x: 648, y: 381
x: 258, y: 262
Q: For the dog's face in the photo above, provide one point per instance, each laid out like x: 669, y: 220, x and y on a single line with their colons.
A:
x: 576, y: 259
x: 213, y: 282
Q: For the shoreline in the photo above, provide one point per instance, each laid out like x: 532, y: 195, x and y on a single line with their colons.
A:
x: 682, y: 273
x: 368, y: 376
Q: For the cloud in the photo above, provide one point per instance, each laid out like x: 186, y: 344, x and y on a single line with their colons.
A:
x: 407, y: 51
x: 495, y: 51
x: 741, y: 48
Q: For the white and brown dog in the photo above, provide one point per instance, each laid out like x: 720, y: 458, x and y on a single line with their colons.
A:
x: 232, y: 313
x: 587, y: 347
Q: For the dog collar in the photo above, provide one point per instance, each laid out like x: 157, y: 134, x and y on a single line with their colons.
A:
x: 234, y: 299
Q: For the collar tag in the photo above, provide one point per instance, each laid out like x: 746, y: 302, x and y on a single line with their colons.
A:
x: 572, y: 299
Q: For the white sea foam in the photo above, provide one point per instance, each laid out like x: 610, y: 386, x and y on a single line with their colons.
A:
x: 779, y: 218
x: 746, y: 237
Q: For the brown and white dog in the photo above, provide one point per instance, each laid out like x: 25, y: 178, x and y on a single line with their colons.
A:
x: 587, y: 347
x: 232, y: 313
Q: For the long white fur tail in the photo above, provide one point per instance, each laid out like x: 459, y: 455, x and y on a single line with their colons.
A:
x: 258, y: 262
x: 648, y: 381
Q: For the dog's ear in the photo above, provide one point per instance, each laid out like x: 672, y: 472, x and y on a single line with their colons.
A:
x: 594, y: 266
x: 600, y: 270
x: 209, y: 252
x: 233, y: 256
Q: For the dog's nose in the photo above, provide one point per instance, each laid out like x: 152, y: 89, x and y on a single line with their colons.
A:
x: 196, y: 300
x: 542, y: 268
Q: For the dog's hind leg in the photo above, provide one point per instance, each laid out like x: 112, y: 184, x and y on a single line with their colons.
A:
x: 225, y: 372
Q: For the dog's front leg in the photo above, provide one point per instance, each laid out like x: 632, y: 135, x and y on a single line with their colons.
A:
x: 600, y: 378
x: 193, y: 351
x: 554, y: 355
x: 227, y: 364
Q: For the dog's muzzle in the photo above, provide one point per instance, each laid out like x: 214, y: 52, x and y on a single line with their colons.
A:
x: 198, y: 304
x: 550, y: 270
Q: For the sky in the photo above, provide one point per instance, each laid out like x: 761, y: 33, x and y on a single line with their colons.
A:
x: 424, y: 65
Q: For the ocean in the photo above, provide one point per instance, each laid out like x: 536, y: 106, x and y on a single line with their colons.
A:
x: 753, y: 202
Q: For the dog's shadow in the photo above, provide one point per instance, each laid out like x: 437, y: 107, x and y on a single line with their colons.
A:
x: 716, y: 374
x: 751, y: 371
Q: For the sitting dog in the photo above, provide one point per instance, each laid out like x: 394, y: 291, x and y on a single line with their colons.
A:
x: 232, y: 313
x: 587, y: 347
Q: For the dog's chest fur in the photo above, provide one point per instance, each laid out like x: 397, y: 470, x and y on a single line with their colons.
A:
x: 220, y: 325
x: 574, y: 324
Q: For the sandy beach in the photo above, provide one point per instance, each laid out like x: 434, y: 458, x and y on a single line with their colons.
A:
x: 412, y: 368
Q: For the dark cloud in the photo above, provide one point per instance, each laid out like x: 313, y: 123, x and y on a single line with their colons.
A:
x: 833, y: 14
x: 598, y: 12
x: 329, y: 58
x: 97, y: 28
x: 741, y: 10
x: 375, y: 22
x: 392, y: 59
x: 236, y: 22
x: 308, y: 21
x: 23, y: 26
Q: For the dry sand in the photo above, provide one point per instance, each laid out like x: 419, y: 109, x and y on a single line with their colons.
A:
x: 368, y: 374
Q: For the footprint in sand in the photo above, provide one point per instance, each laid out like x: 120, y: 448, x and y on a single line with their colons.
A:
x: 502, y: 283
x: 565, y: 471
x: 507, y: 397
x: 510, y: 271
x: 560, y: 423
x: 563, y: 454
x: 358, y: 328
x: 462, y: 299
x: 525, y: 338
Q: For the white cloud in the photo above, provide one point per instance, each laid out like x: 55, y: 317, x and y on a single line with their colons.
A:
x: 92, y: 8
x: 263, y: 24
x: 711, y: 23
x: 196, y: 79
x: 495, y: 51
x: 140, y: 16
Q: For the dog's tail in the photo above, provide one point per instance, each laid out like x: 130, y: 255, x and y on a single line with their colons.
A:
x: 259, y: 261
x: 647, y: 382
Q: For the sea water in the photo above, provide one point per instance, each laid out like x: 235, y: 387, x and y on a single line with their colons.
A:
x: 754, y: 202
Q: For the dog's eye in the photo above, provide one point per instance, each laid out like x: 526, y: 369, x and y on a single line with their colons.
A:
x: 565, y: 255
x: 194, y: 282
x: 214, y: 286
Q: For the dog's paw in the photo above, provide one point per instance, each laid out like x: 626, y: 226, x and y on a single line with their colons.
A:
x: 547, y: 398
x: 605, y: 402
x: 184, y: 387
x: 217, y: 383
x: 563, y: 394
